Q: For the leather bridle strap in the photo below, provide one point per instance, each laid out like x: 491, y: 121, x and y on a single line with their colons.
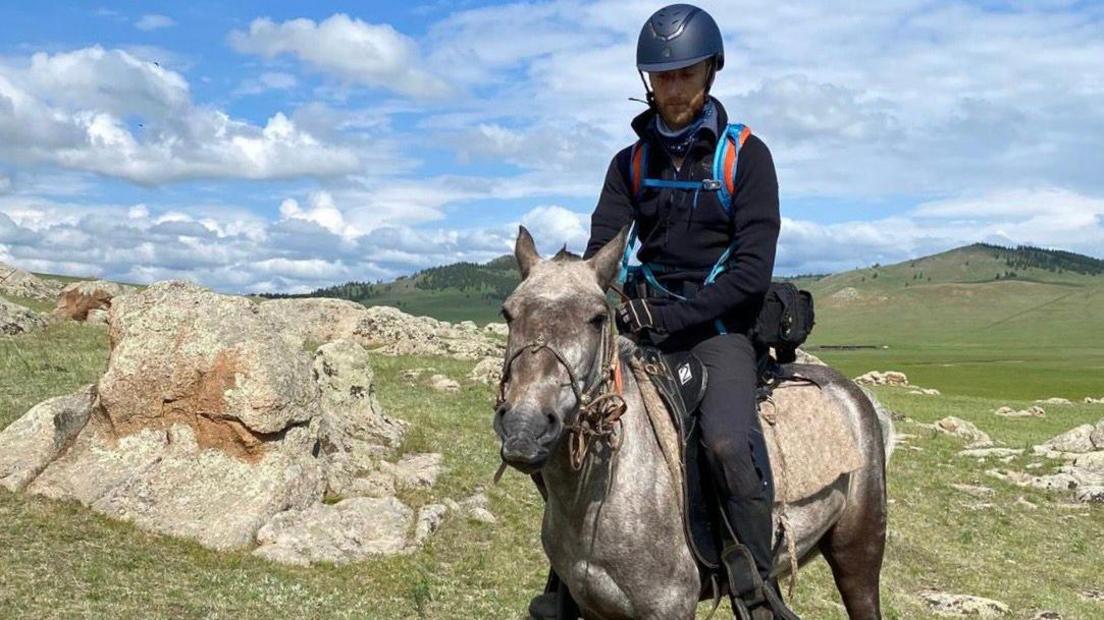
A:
x: 599, y: 405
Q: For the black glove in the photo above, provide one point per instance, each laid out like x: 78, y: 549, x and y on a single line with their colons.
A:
x: 637, y: 315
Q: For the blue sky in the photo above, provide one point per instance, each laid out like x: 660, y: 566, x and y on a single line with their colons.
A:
x: 273, y: 146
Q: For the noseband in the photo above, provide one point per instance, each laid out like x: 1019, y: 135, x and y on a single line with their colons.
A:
x: 599, y: 406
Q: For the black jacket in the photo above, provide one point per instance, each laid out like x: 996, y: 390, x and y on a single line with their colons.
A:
x: 688, y: 240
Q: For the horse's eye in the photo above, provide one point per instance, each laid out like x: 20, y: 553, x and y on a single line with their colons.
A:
x: 506, y: 316
x: 598, y: 319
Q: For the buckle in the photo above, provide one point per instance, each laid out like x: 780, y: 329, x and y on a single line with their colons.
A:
x: 711, y: 185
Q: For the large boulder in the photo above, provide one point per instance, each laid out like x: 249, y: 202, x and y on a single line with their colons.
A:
x: 963, y: 429
x: 76, y: 300
x: 15, y: 319
x: 947, y: 604
x: 315, y: 320
x: 206, y: 425
x: 15, y: 281
x: 889, y: 377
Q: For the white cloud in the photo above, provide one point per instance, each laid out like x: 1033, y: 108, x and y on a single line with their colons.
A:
x: 267, y: 81
x: 553, y: 227
x: 75, y: 109
x: 350, y: 49
x: 154, y: 22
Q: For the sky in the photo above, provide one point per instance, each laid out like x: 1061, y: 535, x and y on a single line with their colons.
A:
x: 274, y: 146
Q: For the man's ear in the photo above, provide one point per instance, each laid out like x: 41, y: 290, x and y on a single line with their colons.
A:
x: 607, y: 261
x: 525, y: 251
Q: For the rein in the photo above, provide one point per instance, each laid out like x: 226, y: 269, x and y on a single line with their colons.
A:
x: 599, y: 406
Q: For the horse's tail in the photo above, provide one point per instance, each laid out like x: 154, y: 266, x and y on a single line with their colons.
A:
x: 885, y: 421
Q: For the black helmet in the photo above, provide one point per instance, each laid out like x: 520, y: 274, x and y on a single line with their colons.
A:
x: 678, y: 36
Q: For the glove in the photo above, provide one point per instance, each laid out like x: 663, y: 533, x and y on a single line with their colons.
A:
x: 637, y: 315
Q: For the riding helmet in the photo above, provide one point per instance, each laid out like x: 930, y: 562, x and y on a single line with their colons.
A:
x: 678, y: 36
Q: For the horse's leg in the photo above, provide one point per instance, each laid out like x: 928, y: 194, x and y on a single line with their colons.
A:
x: 854, y: 548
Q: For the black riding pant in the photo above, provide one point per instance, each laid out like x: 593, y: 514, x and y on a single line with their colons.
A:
x: 729, y: 419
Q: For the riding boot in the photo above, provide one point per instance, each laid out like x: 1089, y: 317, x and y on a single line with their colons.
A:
x: 751, y: 522
x: 544, y: 606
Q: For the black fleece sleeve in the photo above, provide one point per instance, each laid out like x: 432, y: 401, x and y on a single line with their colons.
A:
x: 756, y: 222
x: 614, y: 210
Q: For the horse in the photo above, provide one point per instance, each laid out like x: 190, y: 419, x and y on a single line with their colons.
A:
x: 612, y: 527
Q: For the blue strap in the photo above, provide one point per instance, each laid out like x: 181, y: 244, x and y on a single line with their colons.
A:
x: 709, y: 185
x: 623, y: 273
x: 728, y: 139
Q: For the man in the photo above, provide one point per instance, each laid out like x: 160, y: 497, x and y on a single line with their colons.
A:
x: 683, y: 232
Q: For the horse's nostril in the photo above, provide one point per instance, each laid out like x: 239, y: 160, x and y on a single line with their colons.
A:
x: 551, y: 419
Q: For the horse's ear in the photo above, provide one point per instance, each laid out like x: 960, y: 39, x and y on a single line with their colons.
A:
x: 525, y: 251
x: 607, y: 261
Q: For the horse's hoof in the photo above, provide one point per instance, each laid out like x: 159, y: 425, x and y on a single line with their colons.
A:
x: 543, y: 607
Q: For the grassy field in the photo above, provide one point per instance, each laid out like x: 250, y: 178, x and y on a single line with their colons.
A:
x: 59, y: 560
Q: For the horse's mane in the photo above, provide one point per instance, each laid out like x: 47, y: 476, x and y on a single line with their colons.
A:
x: 565, y: 256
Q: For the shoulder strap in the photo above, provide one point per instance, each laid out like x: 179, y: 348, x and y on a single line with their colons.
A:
x: 638, y: 167
x: 725, y: 159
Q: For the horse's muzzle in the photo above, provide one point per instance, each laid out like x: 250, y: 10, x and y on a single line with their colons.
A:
x: 527, y: 436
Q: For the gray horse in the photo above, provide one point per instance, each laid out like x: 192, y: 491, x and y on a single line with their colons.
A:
x: 612, y: 529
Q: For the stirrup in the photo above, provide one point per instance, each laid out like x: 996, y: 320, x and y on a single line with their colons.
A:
x: 776, y: 605
x: 744, y: 582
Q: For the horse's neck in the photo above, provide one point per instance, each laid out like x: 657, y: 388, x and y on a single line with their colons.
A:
x: 608, y: 477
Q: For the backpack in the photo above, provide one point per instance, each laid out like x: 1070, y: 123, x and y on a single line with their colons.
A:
x: 787, y: 315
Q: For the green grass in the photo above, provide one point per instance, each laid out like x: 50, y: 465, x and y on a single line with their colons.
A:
x: 59, y: 560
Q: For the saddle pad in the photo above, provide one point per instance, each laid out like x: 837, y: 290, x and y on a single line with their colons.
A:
x: 808, y: 440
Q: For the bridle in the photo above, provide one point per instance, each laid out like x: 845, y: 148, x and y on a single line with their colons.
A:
x: 599, y: 406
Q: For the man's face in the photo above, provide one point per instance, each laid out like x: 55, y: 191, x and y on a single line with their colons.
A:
x: 680, y: 94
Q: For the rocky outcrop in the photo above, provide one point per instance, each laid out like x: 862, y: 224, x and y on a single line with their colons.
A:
x: 389, y: 330
x: 15, y: 319
x: 15, y: 281
x: 488, y: 371
x: 78, y: 299
x: 214, y: 424
x: 1082, y: 449
x: 315, y: 320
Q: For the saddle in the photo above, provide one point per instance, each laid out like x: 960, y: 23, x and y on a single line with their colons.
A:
x: 680, y: 379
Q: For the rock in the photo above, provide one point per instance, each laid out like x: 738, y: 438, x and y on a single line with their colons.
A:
x: 350, y: 530
x: 845, y: 294
x: 976, y: 491
x: 207, y: 421
x: 1076, y: 440
x: 15, y: 281
x: 984, y: 453
x: 468, y: 326
x: 1096, y: 596
x: 945, y: 604
x: 889, y: 377
x: 415, y: 470
x: 1054, y: 401
x: 1097, y: 435
x: 1089, y: 400
x: 77, y: 299
x: 412, y: 374
x: 1091, y: 494
x: 315, y: 320
x: 97, y: 316
x: 925, y: 392
x: 1090, y: 461
x: 487, y: 371
x: 32, y: 441
x: 1033, y: 411
x: 1024, y: 503
x: 957, y: 427
x: 354, y: 431
x: 15, y: 319
x: 441, y: 383
x: 1047, y: 615
x: 500, y: 330
x: 429, y: 519
x: 804, y: 357
x: 1053, y: 482
x: 391, y: 331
